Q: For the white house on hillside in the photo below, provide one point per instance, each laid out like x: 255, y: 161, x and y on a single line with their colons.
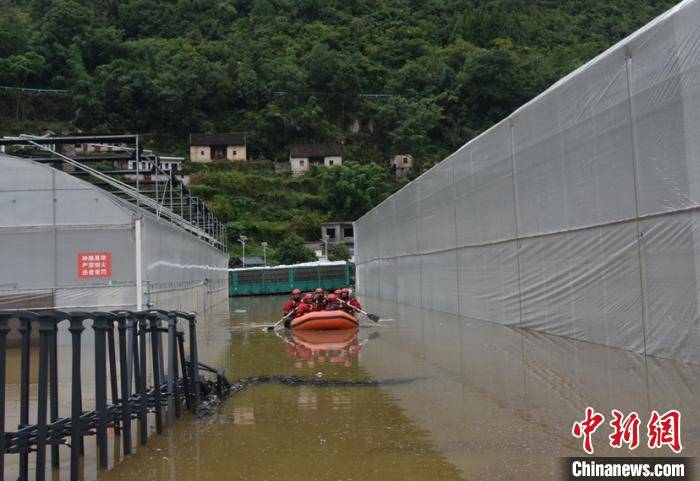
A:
x: 205, y: 148
x: 301, y: 157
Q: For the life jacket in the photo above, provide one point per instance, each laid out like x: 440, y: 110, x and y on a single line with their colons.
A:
x: 291, y: 305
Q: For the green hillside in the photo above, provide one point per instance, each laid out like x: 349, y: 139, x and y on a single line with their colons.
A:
x: 379, y: 77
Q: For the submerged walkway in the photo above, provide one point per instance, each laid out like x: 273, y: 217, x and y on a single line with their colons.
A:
x: 486, y: 402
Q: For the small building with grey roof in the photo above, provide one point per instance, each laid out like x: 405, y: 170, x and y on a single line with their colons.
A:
x: 302, y: 157
x: 205, y: 148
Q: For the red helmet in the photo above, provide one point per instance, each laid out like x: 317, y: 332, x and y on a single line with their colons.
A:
x: 337, y: 292
x: 308, y: 298
x: 296, y: 292
x: 345, y: 290
x: 332, y: 297
x: 319, y: 290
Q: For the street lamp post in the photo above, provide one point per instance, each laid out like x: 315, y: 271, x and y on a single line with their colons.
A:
x: 264, y: 246
x: 242, y: 240
x: 325, y: 244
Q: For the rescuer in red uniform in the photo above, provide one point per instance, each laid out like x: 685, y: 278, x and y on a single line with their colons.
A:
x: 347, y: 301
x: 333, y: 304
x: 306, y: 305
x: 320, y: 300
x: 294, y: 302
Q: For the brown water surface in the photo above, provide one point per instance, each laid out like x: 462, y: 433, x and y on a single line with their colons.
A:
x: 477, y: 401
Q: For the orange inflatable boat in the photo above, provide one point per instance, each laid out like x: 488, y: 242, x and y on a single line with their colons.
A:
x: 324, y: 321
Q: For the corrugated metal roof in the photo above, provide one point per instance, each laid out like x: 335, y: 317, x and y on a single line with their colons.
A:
x: 252, y: 261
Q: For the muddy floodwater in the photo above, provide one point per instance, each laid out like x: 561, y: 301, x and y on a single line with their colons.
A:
x: 432, y: 397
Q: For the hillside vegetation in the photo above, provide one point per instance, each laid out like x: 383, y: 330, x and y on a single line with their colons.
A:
x: 380, y: 77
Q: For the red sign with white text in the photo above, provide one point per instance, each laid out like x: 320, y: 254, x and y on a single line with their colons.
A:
x: 94, y: 264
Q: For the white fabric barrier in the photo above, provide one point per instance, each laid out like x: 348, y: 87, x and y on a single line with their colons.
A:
x: 577, y: 215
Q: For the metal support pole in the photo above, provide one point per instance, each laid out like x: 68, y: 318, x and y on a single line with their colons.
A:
x: 53, y: 361
x: 76, y: 410
x: 139, y: 274
x: 161, y: 355
x: 182, y: 203
x: 183, y: 367
x: 189, y: 204
x: 172, y: 366
x: 100, y: 326
x: 25, y: 330
x: 155, y: 333
x: 143, y: 395
x: 137, y: 156
x: 196, y: 209
x: 172, y: 205
x: 111, y: 350
x: 155, y: 168
x: 194, y: 360
x: 124, y: 375
x: 45, y: 330
x: 4, y: 329
x: 133, y: 325
x: 176, y: 373
x: 129, y: 366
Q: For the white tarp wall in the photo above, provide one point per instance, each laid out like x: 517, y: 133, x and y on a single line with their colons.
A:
x: 48, y: 217
x: 578, y: 215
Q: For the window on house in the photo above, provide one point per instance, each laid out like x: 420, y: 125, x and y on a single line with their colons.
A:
x: 405, y: 160
x: 201, y: 153
x: 330, y: 162
x: 347, y: 232
x: 234, y: 152
x: 330, y: 232
x: 301, y: 163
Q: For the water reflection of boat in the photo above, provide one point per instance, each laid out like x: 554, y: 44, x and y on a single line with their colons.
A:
x: 324, y: 320
x: 338, y: 347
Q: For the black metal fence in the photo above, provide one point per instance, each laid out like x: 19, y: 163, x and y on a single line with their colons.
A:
x: 140, y: 335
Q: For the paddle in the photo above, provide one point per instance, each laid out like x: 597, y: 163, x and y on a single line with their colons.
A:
x: 272, y: 328
x: 372, y: 317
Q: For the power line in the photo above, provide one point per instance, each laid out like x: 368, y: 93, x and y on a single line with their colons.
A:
x: 320, y: 94
x: 35, y: 90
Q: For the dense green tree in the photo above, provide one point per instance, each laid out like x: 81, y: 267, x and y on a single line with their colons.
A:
x: 420, y: 77
x: 339, y: 252
x: 353, y: 189
x: 304, y: 70
x: 291, y: 250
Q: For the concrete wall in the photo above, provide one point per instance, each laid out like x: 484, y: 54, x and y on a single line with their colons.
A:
x: 200, y: 153
x: 236, y: 152
x: 332, y: 160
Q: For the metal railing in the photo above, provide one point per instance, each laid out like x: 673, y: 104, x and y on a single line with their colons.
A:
x: 140, y: 335
x: 172, y: 200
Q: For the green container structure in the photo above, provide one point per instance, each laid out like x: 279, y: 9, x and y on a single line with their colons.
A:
x: 280, y: 280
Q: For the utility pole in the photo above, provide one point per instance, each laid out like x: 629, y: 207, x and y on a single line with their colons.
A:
x: 325, y: 243
x: 242, y: 240
x: 264, y: 246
